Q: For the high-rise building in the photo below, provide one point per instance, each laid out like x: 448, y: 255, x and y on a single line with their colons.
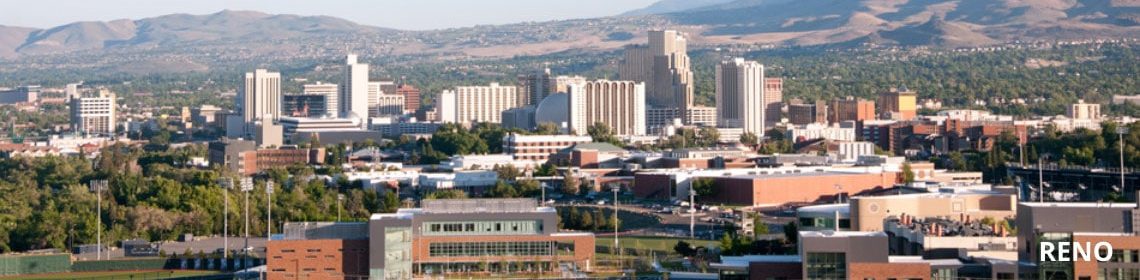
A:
x: 617, y: 104
x: 534, y: 87
x: 94, y: 113
x: 354, y: 90
x: 471, y: 104
x: 1084, y: 111
x: 740, y: 96
x: 851, y: 109
x: 664, y: 67
x: 806, y: 113
x: 773, y: 100
x: 898, y: 104
x: 411, y: 97
x: 304, y: 105
x: 329, y: 91
x: 562, y: 83
x: 260, y: 96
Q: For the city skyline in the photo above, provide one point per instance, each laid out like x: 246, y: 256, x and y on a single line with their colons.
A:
x: 414, y: 15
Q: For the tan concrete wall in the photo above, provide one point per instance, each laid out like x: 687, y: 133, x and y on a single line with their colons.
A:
x: 867, y: 213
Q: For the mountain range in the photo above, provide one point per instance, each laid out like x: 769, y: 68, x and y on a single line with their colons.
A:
x: 936, y: 23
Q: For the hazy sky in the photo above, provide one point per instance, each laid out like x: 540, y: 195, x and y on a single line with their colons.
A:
x: 401, y: 14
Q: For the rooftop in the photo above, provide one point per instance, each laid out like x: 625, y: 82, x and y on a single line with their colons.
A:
x: 1080, y: 204
x: 512, y: 205
x: 828, y: 233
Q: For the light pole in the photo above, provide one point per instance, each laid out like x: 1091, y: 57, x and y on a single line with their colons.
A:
x: 246, y: 187
x: 616, y: 189
x: 692, y: 213
x: 98, y: 186
x: 1040, y: 180
x: 339, y: 198
x: 1122, y: 130
x: 226, y: 184
x: 268, y: 210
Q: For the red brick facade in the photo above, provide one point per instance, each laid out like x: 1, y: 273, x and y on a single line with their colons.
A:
x: 317, y: 259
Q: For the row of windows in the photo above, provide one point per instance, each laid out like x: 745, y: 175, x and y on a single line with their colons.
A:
x: 478, y: 249
x: 826, y: 266
x: 462, y: 228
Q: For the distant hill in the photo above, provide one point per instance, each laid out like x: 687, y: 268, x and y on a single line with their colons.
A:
x: 240, y: 35
x: 940, y: 23
x: 170, y: 30
x: 671, y: 6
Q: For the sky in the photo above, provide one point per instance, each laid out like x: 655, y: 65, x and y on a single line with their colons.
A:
x: 400, y: 14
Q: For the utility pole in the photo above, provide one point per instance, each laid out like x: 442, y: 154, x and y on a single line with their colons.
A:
x: 98, y: 186
x: 246, y: 187
x: 268, y: 210
x: 226, y: 184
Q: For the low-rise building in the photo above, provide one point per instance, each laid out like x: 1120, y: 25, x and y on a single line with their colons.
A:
x: 539, y: 147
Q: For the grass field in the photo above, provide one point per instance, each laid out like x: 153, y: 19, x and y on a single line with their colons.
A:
x: 113, y: 275
x: 653, y: 243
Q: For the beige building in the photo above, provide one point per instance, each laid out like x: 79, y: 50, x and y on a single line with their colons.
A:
x: 94, y: 113
x: 1084, y: 111
x: 387, y: 105
x: 472, y: 104
x: 260, y: 96
x: 898, y: 104
x: 868, y: 213
x: 740, y: 99
x: 618, y: 104
x: 665, y: 68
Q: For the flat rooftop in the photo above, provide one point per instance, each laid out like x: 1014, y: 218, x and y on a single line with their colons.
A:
x: 1122, y: 205
x: 828, y: 233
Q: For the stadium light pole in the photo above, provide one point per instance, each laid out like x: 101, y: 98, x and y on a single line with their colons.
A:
x: 339, y: 198
x: 98, y: 186
x: 268, y: 210
x: 246, y: 187
x: 1122, y: 130
x: 226, y: 184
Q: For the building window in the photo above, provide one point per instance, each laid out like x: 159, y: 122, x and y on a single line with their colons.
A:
x: 826, y: 266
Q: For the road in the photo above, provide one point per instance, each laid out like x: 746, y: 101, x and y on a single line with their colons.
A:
x: 206, y: 245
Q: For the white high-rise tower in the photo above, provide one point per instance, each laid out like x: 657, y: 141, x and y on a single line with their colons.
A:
x: 354, y: 90
x: 740, y: 93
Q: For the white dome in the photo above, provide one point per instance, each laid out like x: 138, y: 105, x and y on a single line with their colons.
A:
x: 554, y: 109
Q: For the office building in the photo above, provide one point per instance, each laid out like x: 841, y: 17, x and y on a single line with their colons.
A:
x: 773, y: 100
x: 851, y: 109
x: 740, y: 100
x: 305, y: 105
x: 807, y: 113
x: 839, y: 132
x: 898, y: 104
x: 260, y: 97
x: 620, y: 105
x: 387, y: 105
x: 411, y: 97
x: 534, y: 87
x: 354, y: 90
x: 94, y: 113
x: 1084, y: 111
x: 539, y: 147
x: 444, y: 237
x: 764, y: 186
x: 1092, y: 222
x: 701, y: 116
x: 475, y: 104
x: 20, y: 95
x: 520, y: 118
x: 664, y: 67
x: 331, y: 95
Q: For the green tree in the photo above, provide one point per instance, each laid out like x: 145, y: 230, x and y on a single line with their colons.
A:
x: 749, y: 139
x: 703, y: 186
x: 791, y: 233
x: 908, y: 174
x: 601, y: 133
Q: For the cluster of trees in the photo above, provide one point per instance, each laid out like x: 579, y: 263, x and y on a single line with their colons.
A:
x: 48, y: 202
x: 1082, y: 147
x: 587, y: 219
